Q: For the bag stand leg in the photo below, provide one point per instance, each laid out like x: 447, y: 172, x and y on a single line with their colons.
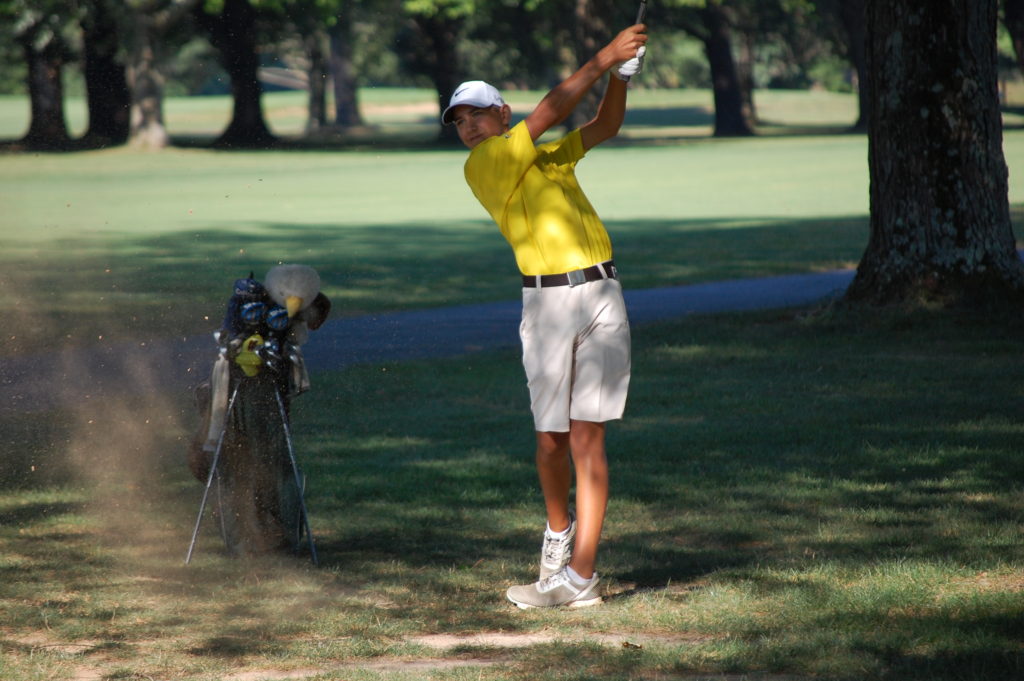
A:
x: 298, y: 480
x: 210, y: 477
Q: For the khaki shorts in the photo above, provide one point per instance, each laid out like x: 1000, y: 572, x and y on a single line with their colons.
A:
x: 576, y: 352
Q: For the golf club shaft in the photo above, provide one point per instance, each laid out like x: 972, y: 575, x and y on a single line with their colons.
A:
x: 295, y: 472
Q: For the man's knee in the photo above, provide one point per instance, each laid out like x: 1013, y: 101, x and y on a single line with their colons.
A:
x: 552, y: 445
x: 586, y: 436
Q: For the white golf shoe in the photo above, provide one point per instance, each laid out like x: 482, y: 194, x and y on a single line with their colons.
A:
x: 555, y: 552
x: 557, y: 590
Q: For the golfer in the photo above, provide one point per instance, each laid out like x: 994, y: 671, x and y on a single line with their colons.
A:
x: 574, y: 331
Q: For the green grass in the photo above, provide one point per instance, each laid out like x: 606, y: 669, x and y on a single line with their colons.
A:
x: 153, y: 238
x: 815, y: 498
x: 156, y: 236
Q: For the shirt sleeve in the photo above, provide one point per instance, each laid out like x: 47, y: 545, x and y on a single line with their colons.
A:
x: 496, y: 166
x: 565, y: 152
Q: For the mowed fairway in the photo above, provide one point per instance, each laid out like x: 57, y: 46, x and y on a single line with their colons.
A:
x: 795, y: 496
x: 159, y: 237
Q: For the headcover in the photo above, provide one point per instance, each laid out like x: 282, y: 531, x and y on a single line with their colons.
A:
x: 246, y: 306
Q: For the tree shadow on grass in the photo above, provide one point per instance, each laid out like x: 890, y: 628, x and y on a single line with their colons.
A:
x: 37, y: 512
x: 238, y: 642
x: 33, y: 457
x: 688, y: 116
x: 50, y: 549
x: 177, y: 285
x: 1002, y: 662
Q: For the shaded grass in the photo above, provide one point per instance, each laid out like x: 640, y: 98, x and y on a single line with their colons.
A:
x: 156, y: 287
x: 807, y: 497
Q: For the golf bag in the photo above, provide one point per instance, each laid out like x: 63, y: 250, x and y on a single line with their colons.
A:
x: 243, y: 449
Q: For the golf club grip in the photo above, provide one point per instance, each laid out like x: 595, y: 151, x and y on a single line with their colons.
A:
x: 641, y: 13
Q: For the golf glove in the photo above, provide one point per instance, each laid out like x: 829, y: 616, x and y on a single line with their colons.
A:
x: 631, y: 67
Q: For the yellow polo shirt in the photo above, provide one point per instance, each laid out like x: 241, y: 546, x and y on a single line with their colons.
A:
x: 532, y: 193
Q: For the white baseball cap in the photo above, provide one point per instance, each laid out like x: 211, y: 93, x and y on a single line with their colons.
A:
x: 473, y: 93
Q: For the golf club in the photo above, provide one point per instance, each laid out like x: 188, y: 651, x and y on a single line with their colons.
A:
x: 641, y: 13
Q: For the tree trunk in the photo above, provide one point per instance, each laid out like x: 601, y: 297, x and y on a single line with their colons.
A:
x: 852, y: 17
x: 106, y: 84
x: 233, y: 34
x: 729, y: 114
x: 146, y: 82
x: 745, y: 77
x: 47, y: 127
x: 441, y: 34
x: 940, y: 221
x: 152, y: 24
x: 590, y: 33
x: 317, y: 77
x: 346, y: 99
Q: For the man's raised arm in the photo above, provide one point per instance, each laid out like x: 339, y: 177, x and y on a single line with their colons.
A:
x: 560, y: 102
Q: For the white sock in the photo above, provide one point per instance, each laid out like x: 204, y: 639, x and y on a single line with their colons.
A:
x: 557, y: 535
x: 575, y: 577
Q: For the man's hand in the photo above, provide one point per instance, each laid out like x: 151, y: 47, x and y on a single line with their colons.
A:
x: 624, y: 47
x: 631, y: 67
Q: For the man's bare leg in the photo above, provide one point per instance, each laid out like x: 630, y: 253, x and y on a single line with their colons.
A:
x: 585, y: 440
x: 587, y: 443
x: 555, y: 473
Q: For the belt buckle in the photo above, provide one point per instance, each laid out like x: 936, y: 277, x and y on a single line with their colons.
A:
x: 576, y: 277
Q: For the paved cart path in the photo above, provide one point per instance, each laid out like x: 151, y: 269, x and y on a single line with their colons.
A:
x: 42, y: 382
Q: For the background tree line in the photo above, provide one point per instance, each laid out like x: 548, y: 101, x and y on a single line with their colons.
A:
x: 129, y: 54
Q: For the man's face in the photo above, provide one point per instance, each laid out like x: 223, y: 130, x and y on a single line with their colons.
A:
x: 475, y: 124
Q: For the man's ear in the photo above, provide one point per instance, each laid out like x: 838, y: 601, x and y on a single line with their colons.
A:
x: 506, y: 116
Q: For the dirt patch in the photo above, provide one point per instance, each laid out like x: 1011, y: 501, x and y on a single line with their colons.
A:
x: 448, y: 642
x: 441, y: 643
x: 39, y: 641
x: 984, y: 581
x: 499, y: 640
x: 379, y: 665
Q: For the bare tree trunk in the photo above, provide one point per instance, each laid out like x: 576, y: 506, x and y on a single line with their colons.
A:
x: 47, y: 127
x: 317, y: 77
x: 940, y: 220
x: 440, y: 35
x: 106, y: 84
x: 745, y: 75
x: 346, y: 99
x: 233, y: 34
x: 590, y: 33
x: 730, y: 120
x: 147, y: 87
x: 152, y: 23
